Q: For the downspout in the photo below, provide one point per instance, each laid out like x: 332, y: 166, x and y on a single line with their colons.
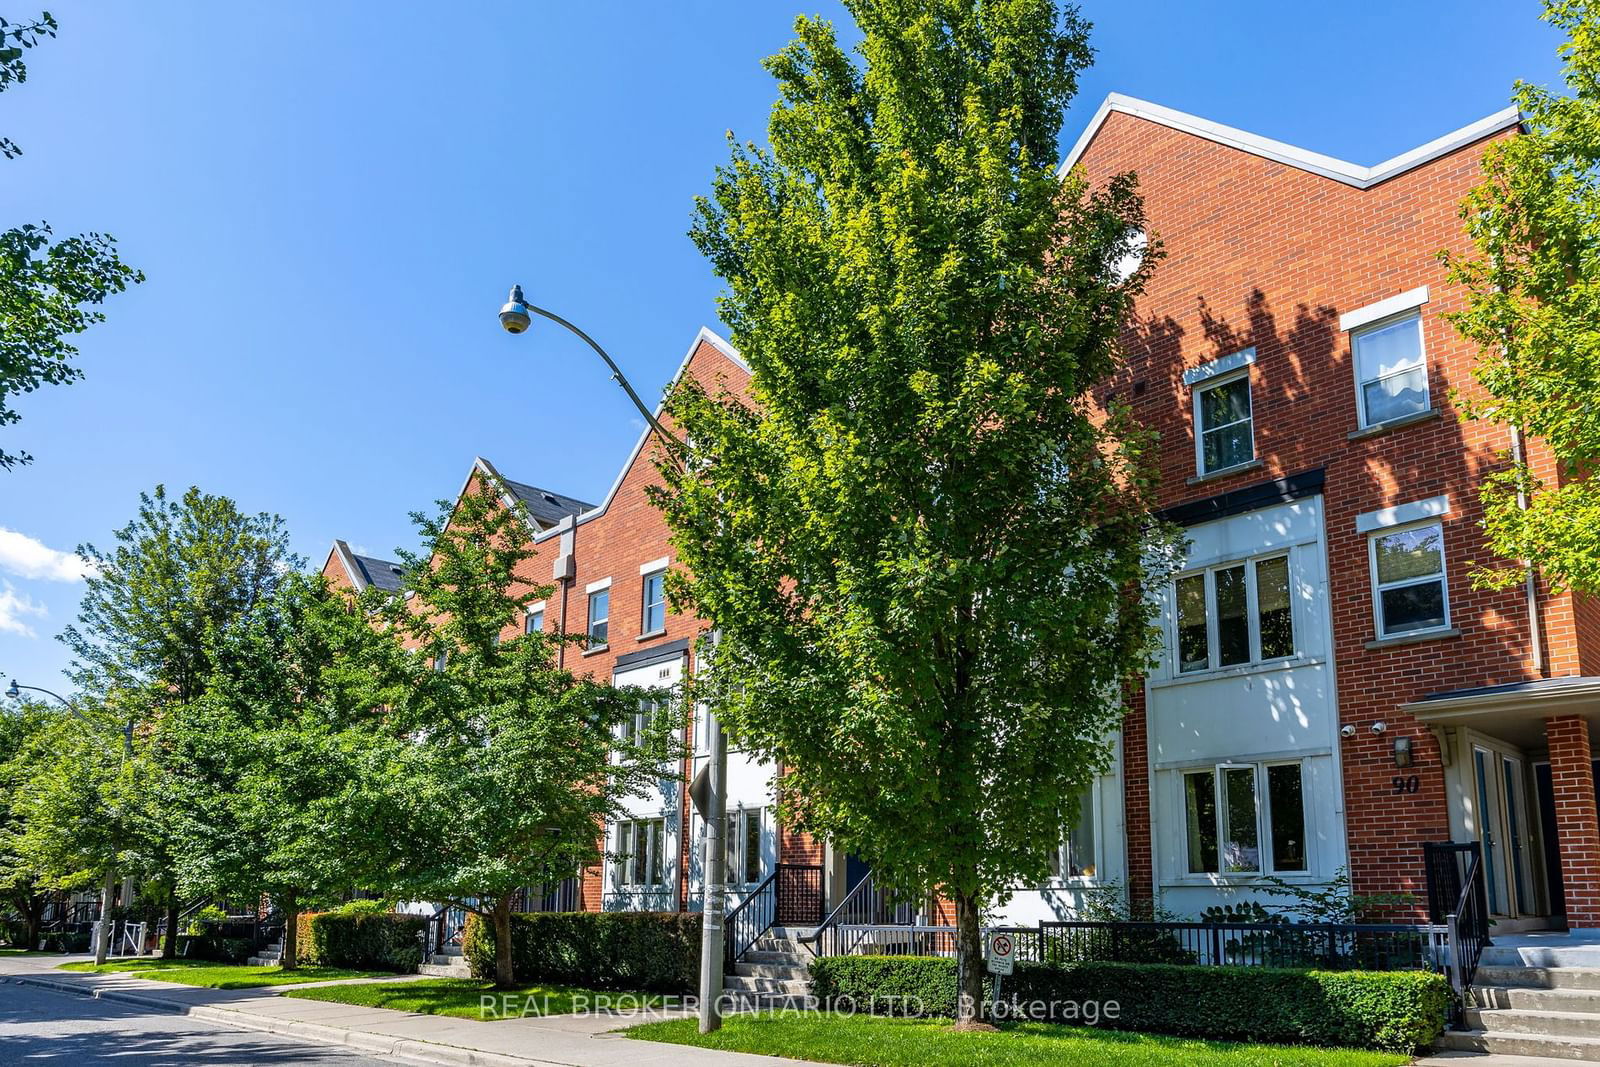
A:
x: 565, y: 571
x: 1535, y: 644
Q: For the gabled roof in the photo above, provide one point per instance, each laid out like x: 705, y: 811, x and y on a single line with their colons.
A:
x: 368, y: 570
x: 1314, y: 162
x: 546, y: 507
x: 706, y: 335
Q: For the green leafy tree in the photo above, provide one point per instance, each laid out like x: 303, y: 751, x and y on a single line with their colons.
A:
x: 258, y: 765
x: 49, y: 290
x: 498, y: 768
x: 1533, y: 305
x: 23, y: 749
x: 923, y: 542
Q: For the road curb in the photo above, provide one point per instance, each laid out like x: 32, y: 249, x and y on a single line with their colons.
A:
x: 407, y: 1049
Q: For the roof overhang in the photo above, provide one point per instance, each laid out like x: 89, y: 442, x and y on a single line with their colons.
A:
x: 1337, y: 169
x: 1511, y: 704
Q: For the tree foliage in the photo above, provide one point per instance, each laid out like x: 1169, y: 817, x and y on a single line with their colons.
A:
x: 922, y: 541
x: 49, y: 290
x: 1533, y: 285
x: 497, y: 768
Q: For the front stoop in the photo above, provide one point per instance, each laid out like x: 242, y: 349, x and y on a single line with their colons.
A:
x: 1534, y: 1002
x: 773, y: 975
x: 270, y: 956
x: 448, y: 962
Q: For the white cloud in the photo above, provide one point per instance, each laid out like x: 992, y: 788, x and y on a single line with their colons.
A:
x: 28, y: 558
x: 14, y: 608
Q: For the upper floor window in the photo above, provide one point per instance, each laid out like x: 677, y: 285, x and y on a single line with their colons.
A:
x: 1238, y: 613
x: 1408, y: 580
x: 1074, y: 857
x: 1391, y: 373
x: 1224, y: 430
x: 599, y: 617
x: 535, y: 622
x: 632, y: 728
x: 441, y: 661
x: 655, y: 603
x: 1227, y: 824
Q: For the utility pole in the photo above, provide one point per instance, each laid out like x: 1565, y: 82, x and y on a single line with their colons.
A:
x: 715, y: 866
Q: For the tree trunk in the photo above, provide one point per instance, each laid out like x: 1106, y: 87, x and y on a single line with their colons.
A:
x: 102, y: 943
x: 290, y: 960
x: 169, y: 943
x: 969, y: 964
x: 33, y: 914
x: 503, y: 978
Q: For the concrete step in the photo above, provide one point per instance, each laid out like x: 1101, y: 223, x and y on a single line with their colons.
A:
x: 1491, y: 997
x: 1507, y: 1044
x: 1540, y: 977
x: 772, y: 970
x: 446, y: 970
x: 780, y: 944
x: 453, y: 951
x: 792, y: 933
x: 784, y: 959
x: 1537, y: 1023
x: 1556, y: 952
x: 735, y: 983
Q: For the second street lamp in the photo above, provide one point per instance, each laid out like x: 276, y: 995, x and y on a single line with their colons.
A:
x: 515, y: 317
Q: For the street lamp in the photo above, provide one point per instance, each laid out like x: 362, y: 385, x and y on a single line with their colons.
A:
x: 516, y: 316
x: 103, y: 942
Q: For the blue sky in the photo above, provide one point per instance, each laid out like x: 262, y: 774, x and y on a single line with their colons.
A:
x: 330, y: 201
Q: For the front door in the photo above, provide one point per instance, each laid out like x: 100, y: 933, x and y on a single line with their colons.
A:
x: 1510, y: 852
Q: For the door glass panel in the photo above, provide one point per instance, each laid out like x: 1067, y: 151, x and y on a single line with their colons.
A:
x: 1486, y: 833
x: 1514, y: 824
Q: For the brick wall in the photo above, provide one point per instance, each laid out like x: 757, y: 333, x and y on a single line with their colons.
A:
x: 1577, y: 825
x: 1263, y: 254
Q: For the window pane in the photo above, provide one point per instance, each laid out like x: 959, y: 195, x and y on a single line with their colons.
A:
x: 1227, y: 447
x: 535, y: 622
x: 1387, y: 349
x: 1242, y: 852
x: 752, y: 845
x: 1080, y: 839
x: 655, y: 603
x: 1410, y: 554
x: 1233, y: 623
x: 1223, y: 404
x: 1200, y: 803
x: 1287, y: 804
x: 658, y: 852
x: 599, y: 611
x: 1395, y: 397
x: 1194, y: 653
x: 1273, y: 608
x: 624, y: 852
x: 1412, y: 607
x: 730, y: 847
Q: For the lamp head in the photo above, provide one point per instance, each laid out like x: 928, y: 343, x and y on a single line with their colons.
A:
x: 15, y: 691
x: 514, y: 316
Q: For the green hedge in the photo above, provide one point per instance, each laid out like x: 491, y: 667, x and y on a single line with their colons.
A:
x: 1394, y: 1011
x: 213, y: 946
x: 383, y: 942
x: 651, y: 951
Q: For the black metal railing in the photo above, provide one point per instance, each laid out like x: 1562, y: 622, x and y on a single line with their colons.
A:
x: 1446, y: 863
x: 1468, y: 926
x: 799, y: 894
x: 565, y: 895
x: 790, y: 896
x: 1328, y: 946
x: 641, y: 898
x: 873, y: 918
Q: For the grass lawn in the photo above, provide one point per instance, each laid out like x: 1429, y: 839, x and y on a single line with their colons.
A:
x: 211, y: 975
x: 919, y: 1043
x: 462, y: 998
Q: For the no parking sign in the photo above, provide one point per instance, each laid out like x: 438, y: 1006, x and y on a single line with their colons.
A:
x: 1002, y: 952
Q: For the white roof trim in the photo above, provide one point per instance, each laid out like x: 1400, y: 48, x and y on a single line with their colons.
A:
x: 351, y: 568
x: 1336, y: 169
x: 711, y: 338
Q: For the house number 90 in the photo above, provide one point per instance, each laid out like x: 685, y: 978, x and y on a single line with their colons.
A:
x: 1406, y: 785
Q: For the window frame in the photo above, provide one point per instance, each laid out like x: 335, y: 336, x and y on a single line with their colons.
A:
x: 736, y: 845
x: 1443, y: 579
x: 535, y: 614
x: 1195, y: 392
x: 589, y: 622
x: 1267, y: 859
x: 1362, y: 422
x: 1062, y: 859
x: 636, y: 862
x: 645, y: 629
x: 1252, y: 615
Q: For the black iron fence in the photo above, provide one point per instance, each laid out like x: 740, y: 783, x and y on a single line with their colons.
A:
x: 1328, y: 946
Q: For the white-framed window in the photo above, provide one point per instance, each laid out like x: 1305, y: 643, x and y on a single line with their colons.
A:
x: 441, y: 661
x: 1409, y: 593
x: 599, y: 617
x: 742, y: 846
x: 1245, y: 818
x: 655, y: 602
x: 649, y: 709
x: 1232, y: 614
x: 640, y: 857
x: 1075, y: 855
x: 1391, y: 370
x: 1224, y: 430
x: 534, y: 624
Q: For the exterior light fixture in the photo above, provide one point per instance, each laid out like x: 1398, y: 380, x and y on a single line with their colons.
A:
x: 1402, y: 752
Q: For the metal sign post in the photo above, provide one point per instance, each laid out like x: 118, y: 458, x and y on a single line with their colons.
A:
x: 1002, y: 953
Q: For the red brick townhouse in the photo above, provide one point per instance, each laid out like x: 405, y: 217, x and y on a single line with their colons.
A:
x: 1333, y: 692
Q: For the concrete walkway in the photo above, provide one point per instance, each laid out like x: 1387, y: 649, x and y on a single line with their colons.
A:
x: 566, y: 1040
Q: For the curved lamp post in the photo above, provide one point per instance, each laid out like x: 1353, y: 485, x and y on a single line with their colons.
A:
x: 102, y: 943
x: 516, y: 316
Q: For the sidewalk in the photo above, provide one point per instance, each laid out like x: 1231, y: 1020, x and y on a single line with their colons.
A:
x: 566, y: 1040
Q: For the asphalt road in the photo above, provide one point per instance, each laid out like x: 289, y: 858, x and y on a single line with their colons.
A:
x: 43, y: 1026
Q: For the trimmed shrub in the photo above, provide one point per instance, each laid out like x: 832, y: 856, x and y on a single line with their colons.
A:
x: 382, y: 942
x: 1395, y: 1011
x: 211, y: 945
x: 657, y: 952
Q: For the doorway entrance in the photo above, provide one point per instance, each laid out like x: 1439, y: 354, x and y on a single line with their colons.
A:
x: 1502, y: 792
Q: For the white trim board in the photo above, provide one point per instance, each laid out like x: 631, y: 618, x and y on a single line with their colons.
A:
x: 1316, y: 163
x: 1394, y: 305
x: 1216, y: 368
x: 1402, y: 514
